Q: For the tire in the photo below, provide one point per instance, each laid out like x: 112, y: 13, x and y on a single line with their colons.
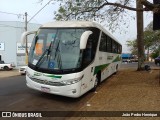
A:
x: 116, y: 70
x: 6, y: 68
x: 96, y: 83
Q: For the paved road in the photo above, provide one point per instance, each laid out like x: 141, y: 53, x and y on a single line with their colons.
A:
x: 15, y: 96
x: 135, y: 64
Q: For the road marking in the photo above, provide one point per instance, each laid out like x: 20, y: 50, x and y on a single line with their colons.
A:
x: 16, y: 102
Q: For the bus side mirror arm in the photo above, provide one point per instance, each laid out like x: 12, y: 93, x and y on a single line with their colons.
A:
x: 84, y: 38
x: 24, y: 35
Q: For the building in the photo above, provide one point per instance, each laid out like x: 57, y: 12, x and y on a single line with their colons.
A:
x: 11, y: 48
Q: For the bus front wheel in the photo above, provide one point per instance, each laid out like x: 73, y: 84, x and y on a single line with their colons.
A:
x: 116, y: 69
x: 96, y: 83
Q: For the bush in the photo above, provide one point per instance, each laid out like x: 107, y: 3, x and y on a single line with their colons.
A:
x: 155, y: 54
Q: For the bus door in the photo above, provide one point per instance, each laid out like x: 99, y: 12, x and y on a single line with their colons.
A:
x: 88, y: 71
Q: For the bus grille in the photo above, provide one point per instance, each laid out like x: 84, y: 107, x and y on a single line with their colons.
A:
x: 46, y: 82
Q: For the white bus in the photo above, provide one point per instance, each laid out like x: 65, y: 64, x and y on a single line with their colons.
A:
x: 70, y: 58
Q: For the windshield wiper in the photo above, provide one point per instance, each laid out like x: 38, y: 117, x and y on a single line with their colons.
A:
x: 57, y: 49
x: 41, y: 58
x: 49, y: 49
x: 44, y: 53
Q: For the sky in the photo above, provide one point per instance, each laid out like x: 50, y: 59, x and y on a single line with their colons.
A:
x: 19, y: 7
x: 29, y: 6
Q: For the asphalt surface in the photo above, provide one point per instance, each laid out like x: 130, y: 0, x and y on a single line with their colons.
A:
x: 134, y: 65
x: 16, y: 96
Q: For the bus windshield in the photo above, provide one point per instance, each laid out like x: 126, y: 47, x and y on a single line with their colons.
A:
x: 56, y: 48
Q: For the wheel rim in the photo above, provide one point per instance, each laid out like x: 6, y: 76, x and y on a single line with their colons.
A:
x: 116, y: 68
x: 96, y: 82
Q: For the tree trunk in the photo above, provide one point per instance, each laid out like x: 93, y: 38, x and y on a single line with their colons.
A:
x: 148, y: 54
x: 140, y: 40
x: 159, y: 50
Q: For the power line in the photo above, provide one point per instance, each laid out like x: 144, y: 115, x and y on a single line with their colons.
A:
x: 3, y: 25
x: 40, y: 10
x: 33, y: 18
x: 11, y: 13
x: 18, y: 15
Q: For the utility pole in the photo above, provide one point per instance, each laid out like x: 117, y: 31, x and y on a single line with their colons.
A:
x: 26, y: 57
x: 26, y: 22
x: 140, y: 36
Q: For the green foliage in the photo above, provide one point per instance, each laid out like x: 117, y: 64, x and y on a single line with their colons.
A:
x: 151, y: 41
x: 154, y: 54
x: 62, y: 12
x: 96, y: 10
x: 132, y: 44
x: 151, y: 38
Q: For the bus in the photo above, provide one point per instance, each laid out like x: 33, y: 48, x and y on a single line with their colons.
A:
x: 70, y: 58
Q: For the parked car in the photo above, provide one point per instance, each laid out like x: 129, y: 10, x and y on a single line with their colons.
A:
x: 157, y: 60
x: 22, y: 70
x: 126, y: 60
x: 6, y: 66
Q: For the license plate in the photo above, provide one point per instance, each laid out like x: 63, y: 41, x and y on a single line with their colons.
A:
x: 45, y: 89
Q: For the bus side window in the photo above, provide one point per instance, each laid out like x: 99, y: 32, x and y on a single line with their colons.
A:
x: 88, y: 52
x: 119, y: 49
x: 114, y: 47
x: 109, y: 44
x: 102, y: 46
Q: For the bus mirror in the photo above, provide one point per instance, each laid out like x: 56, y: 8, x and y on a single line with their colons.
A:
x: 24, y: 35
x: 84, y: 38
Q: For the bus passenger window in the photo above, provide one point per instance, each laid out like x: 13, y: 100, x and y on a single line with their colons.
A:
x: 102, y: 46
x: 109, y: 44
x: 88, y: 53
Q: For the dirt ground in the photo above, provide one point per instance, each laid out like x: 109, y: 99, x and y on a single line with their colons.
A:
x: 9, y: 73
x: 128, y: 90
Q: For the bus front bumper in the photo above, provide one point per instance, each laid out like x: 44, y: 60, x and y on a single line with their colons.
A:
x: 72, y: 90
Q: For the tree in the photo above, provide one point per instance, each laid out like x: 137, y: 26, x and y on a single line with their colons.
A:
x: 152, y: 39
x: 111, y: 12
x: 154, y: 54
x: 133, y: 46
x: 140, y: 41
x: 151, y: 42
x: 92, y: 8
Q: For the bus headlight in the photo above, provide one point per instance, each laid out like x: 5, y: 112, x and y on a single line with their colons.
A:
x: 73, y: 81
x: 29, y: 75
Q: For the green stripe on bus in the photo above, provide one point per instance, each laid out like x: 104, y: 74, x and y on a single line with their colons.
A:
x: 53, y: 76
x: 118, y: 58
x: 100, y: 68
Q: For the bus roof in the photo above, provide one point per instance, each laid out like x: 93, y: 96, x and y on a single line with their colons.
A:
x: 71, y: 24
